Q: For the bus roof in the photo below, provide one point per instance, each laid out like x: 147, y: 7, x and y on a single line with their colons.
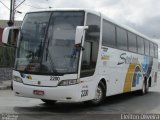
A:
x: 69, y: 9
x: 99, y: 14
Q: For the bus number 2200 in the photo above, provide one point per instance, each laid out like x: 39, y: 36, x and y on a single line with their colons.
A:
x: 54, y: 78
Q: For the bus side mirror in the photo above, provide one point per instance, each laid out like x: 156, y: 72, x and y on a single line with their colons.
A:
x: 10, y: 35
x: 79, y: 33
x: 5, y: 35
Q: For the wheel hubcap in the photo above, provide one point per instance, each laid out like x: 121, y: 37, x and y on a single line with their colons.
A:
x: 98, y: 95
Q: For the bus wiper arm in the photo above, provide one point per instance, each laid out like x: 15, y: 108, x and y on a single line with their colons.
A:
x: 51, y: 61
x: 47, y: 51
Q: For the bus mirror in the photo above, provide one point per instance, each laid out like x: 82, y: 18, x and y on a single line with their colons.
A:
x: 79, y: 33
x: 5, y: 35
x: 10, y: 35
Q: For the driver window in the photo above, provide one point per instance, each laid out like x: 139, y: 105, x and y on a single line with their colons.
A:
x: 91, y: 45
x: 86, y: 54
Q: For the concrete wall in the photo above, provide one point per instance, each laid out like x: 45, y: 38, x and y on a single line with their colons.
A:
x: 5, y: 74
x: 1, y: 32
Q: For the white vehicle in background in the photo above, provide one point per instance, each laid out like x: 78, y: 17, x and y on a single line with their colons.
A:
x: 80, y: 55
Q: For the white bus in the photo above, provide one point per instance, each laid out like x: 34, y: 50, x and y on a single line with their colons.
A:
x: 80, y: 55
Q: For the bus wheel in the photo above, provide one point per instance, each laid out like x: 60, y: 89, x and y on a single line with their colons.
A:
x: 147, y: 87
x: 144, y: 89
x: 100, y: 95
x: 49, y: 102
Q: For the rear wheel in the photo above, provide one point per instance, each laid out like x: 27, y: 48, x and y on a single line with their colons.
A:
x: 145, y: 88
x: 49, y: 102
x: 100, y: 95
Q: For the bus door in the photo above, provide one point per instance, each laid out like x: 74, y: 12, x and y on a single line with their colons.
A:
x: 90, y: 52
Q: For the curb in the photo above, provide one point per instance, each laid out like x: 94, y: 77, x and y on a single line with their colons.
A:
x: 5, y: 85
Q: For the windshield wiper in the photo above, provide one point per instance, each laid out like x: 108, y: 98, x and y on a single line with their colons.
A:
x: 50, y: 58
x: 51, y: 62
x: 47, y: 51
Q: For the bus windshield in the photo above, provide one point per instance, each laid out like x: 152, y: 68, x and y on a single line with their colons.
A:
x: 46, y: 43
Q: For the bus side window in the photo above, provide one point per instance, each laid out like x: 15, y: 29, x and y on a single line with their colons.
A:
x: 121, y: 38
x: 132, y: 42
x: 151, y: 49
x: 146, y: 44
x: 140, y: 45
x: 156, y: 50
x: 108, y: 37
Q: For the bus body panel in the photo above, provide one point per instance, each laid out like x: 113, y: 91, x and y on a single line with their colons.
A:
x: 61, y: 93
x: 43, y: 80
x: 83, y: 91
x: 125, y: 71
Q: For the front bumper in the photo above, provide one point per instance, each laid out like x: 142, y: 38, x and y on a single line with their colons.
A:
x: 70, y: 93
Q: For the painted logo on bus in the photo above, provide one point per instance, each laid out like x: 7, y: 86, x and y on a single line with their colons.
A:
x: 125, y: 59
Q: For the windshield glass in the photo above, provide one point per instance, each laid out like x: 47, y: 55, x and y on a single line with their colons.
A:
x: 46, y: 43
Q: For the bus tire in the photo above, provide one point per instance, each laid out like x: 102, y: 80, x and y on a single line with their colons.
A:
x: 144, y: 89
x: 147, y: 87
x: 100, y: 95
x: 49, y: 102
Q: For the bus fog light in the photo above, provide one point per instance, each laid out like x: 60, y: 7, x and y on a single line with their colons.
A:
x: 68, y: 82
x: 17, y: 79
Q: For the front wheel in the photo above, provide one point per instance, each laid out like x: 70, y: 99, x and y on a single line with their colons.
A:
x: 49, y: 102
x: 100, y: 95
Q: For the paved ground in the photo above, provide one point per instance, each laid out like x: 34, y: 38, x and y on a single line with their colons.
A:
x: 33, y: 109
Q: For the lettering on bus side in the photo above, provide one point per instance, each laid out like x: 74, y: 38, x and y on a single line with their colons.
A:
x: 54, y: 78
x: 128, y: 59
x: 122, y: 58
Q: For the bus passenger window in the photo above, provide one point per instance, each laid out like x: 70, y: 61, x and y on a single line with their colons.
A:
x: 108, y: 37
x: 132, y: 42
x: 151, y: 50
x: 156, y: 50
x: 121, y: 38
x: 140, y: 45
x: 146, y: 43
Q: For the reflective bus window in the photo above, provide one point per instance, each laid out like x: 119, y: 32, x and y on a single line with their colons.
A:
x: 156, y: 50
x: 132, y: 42
x: 108, y: 37
x: 151, y: 49
x: 140, y: 45
x: 121, y: 38
x: 146, y: 43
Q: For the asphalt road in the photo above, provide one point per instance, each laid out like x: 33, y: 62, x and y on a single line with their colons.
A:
x: 34, y: 109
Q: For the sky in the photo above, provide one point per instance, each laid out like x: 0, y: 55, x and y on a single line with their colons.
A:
x: 142, y: 15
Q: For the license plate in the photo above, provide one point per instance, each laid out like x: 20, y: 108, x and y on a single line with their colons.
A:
x: 38, y: 92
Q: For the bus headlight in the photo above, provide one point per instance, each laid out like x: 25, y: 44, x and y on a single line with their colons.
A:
x: 68, y: 82
x: 17, y: 79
